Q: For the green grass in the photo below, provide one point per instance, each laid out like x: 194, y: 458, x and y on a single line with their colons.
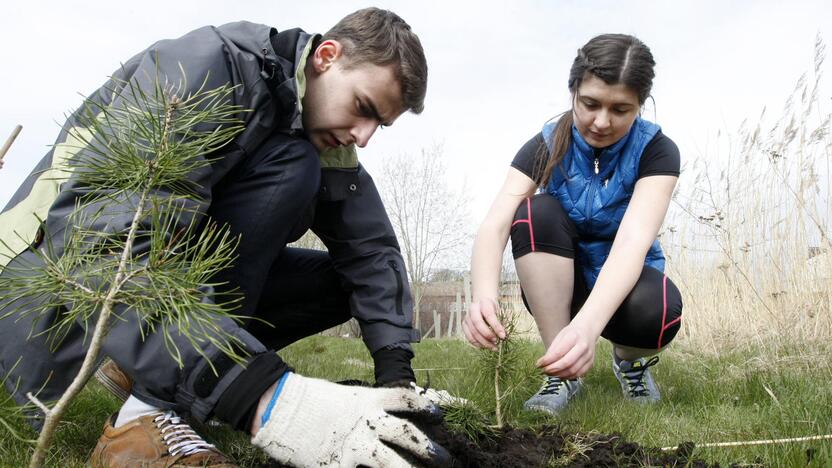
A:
x: 706, y: 399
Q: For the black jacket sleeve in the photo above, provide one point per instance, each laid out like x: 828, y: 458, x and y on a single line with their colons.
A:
x: 351, y: 221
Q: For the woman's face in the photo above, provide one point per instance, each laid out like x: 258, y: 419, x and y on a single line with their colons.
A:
x: 604, y: 113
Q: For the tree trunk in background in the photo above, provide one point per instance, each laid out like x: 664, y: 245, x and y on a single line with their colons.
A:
x: 429, y: 215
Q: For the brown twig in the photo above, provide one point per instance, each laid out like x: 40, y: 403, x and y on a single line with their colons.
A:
x: 9, y: 141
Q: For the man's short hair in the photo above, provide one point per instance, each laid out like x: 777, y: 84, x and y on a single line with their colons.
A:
x: 381, y: 37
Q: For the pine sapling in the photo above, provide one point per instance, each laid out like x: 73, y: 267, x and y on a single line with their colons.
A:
x: 136, y: 157
x: 503, y: 364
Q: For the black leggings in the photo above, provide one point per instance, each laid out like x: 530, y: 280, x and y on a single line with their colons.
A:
x: 650, y: 315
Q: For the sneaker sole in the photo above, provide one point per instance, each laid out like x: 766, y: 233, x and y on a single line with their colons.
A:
x: 110, y: 385
x: 543, y: 409
x: 547, y: 409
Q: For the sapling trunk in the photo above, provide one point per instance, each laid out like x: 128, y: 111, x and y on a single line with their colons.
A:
x: 497, y: 396
x: 503, y: 363
x: 54, y: 414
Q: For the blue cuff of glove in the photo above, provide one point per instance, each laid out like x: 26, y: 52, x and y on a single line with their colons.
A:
x: 267, y: 414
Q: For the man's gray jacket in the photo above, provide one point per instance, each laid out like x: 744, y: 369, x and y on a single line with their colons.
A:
x: 353, y: 225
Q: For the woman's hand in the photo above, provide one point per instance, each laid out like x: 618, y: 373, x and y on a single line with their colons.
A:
x: 481, y: 326
x: 571, y: 353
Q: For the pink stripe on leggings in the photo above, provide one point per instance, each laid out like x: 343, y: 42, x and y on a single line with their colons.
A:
x: 528, y: 221
x: 665, y: 326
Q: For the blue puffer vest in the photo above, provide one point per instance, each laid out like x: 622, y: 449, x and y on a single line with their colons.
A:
x: 595, y: 186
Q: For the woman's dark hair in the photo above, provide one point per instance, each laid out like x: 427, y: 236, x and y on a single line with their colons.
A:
x: 613, y: 58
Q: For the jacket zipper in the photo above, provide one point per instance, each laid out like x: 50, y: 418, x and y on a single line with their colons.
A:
x: 399, y: 289
x: 593, y: 182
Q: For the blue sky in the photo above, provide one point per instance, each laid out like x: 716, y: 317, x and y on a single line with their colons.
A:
x: 497, y: 69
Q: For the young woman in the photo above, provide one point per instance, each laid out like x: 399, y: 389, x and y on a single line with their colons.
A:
x: 585, y: 246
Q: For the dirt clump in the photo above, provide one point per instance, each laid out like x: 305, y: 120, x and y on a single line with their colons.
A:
x: 551, y: 446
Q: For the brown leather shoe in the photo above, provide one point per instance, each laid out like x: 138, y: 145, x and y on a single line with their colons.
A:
x: 114, y: 379
x: 159, y: 440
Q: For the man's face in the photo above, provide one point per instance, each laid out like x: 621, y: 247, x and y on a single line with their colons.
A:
x: 343, y: 105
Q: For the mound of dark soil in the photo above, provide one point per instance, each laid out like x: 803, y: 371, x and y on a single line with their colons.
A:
x: 550, y: 446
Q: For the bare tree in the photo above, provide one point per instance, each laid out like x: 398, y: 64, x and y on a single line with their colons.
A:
x: 430, y: 216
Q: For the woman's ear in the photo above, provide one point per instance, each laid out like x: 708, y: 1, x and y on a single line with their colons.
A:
x: 644, y: 107
x: 326, y: 54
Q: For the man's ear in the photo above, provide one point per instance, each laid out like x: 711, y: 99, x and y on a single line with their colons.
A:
x: 326, y: 54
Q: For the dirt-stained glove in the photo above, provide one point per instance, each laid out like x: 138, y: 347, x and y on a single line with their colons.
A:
x: 438, y: 397
x: 314, y: 422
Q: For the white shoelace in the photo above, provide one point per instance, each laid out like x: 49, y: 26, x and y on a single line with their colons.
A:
x: 635, y: 376
x: 178, y: 435
x: 551, y: 386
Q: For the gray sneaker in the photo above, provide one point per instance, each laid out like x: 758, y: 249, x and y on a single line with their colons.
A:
x: 553, y: 395
x: 636, y: 382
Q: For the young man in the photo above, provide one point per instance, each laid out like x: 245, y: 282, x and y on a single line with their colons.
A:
x: 312, y: 100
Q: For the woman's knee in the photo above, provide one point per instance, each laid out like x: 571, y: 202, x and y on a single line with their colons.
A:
x: 541, y: 225
x: 650, y: 316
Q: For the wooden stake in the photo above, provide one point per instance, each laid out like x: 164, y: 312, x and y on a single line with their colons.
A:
x: 9, y: 142
x: 458, y: 314
x: 757, y: 442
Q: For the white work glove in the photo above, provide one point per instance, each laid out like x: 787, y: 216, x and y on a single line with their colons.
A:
x: 319, y: 423
x: 438, y: 397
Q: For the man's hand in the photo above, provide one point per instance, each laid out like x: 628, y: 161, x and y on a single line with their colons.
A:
x: 319, y: 423
x: 571, y: 353
x: 481, y: 326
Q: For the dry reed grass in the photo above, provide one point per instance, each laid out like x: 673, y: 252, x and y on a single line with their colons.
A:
x: 747, y: 237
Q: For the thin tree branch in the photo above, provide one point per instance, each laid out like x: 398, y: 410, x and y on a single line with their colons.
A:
x: 53, y: 417
x: 9, y: 142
